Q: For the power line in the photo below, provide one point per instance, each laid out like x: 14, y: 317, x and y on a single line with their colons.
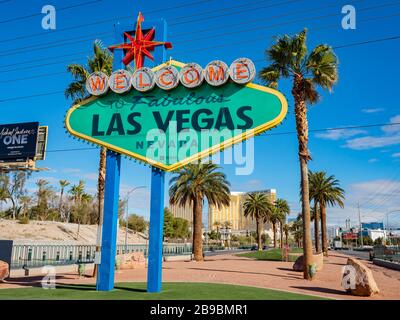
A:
x: 285, y: 23
x: 234, y: 13
x: 242, y: 22
x: 54, y: 45
x: 334, y: 129
x: 281, y: 133
x: 205, y: 48
x: 34, y: 77
x: 241, y: 42
x: 58, y: 9
x: 61, y: 42
x: 342, y: 46
x: 187, y: 4
x: 384, y: 187
x: 31, y: 96
x: 43, y: 58
x: 188, y: 33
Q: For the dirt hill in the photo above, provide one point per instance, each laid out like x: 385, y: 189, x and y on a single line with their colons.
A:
x: 45, y: 231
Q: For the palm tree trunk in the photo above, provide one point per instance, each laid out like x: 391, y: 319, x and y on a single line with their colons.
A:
x: 316, y: 228
x: 14, y: 210
x: 274, y: 231
x: 100, y: 199
x: 323, y: 230
x: 281, y: 231
x: 286, y: 238
x: 197, y: 226
x: 304, y: 156
x: 259, y: 222
x: 60, y: 204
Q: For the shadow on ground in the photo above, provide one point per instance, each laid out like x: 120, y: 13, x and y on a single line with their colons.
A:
x: 321, y: 290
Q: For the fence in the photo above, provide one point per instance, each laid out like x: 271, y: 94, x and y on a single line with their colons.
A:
x: 389, y: 253
x: 33, y: 256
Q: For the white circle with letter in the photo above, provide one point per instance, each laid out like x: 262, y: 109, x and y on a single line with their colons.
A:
x: 143, y: 79
x: 97, y: 83
x: 120, y: 81
x: 191, y: 75
x: 167, y: 77
x: 216, y: 73
x: 242, y: 70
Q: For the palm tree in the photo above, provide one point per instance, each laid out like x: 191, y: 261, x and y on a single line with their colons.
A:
x: 326, y: 192
x: 297, y: 230
x: 63, y: 184
x: 102, y: 61
x: 218, y: 225
x: 25, y: 201
x: 258, y: 206
x: 274, y: 218
x: 290, y: 59
x: 77, y: 191
x: 192, y: 185
x: 286, y: 230
x: 283, y: 208
x: 41, y: 184
x: 316, y: 216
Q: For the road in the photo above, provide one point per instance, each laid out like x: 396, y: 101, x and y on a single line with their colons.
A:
x: 364, y: 255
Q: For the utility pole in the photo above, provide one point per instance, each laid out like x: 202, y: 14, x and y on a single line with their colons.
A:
x: 359, y: 219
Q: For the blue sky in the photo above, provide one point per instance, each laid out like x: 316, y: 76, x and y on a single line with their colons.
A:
x: 366, y: 161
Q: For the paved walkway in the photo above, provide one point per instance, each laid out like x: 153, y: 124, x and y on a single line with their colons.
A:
x: 231, y: 269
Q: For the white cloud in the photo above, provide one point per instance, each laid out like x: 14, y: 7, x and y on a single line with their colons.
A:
x: 396, y: 155
x: 249, y: 185
x: 89, y: 176
x: 390, y: 138
x: 71, y: 170
x: 392, y: 128
x: 51, y: 180
x: 376, y: 198
x: 340, y: 134
x: 370, y: 142
x: 373, y: 160
x: 373, y: 110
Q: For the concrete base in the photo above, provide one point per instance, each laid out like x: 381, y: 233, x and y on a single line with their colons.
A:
x: 178, y: 258
x: 59, y: 269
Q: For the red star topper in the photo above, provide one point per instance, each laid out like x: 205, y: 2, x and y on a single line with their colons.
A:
x: 139, y: 46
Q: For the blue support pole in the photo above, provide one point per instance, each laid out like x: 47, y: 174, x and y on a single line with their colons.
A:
x: 105, y: 276
x: 105, y: 279
x: 154, y: 272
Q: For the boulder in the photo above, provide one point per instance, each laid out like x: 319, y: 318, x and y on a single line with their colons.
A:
x: 134, y: 260
x: 318, y: 260
x: 364, y: 282
x: 4, y: 270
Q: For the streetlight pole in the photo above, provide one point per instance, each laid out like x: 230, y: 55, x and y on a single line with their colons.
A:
x: 359, y: 219
x: 387, y: 223
x: 127, y: 213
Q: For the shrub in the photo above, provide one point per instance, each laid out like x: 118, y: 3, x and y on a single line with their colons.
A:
x: 24, y: 220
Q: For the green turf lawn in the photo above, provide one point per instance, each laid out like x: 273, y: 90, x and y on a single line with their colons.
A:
x: 137, y: 291
x: 271, y: 255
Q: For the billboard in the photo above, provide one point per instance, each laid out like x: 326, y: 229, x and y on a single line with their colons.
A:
x: 41, y: 143
x: 18, y: 141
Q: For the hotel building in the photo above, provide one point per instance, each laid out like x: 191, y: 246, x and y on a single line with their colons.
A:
x: 185, y: 212
x: 234, y: 214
